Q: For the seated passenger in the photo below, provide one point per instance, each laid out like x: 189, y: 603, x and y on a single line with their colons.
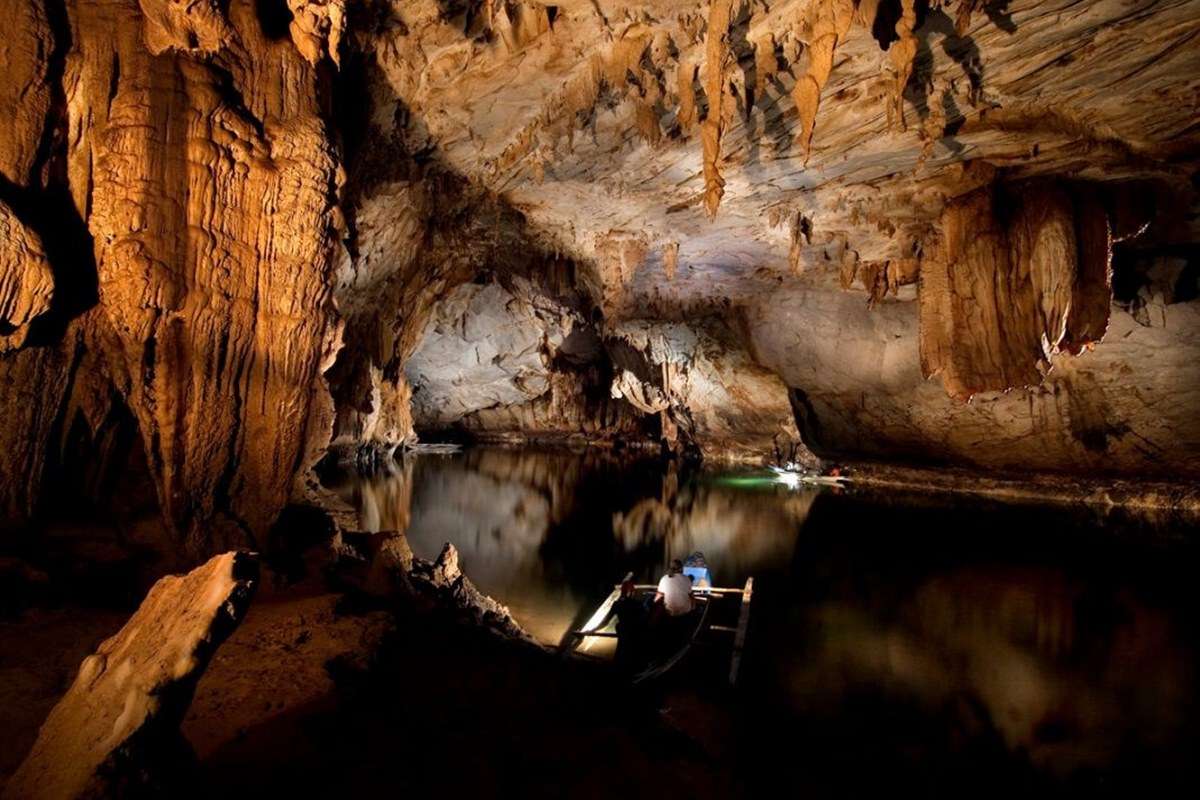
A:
x: 675, y: 591
x: 631, y: 628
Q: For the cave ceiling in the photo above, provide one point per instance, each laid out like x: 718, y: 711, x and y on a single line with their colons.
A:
x: 589, y: 119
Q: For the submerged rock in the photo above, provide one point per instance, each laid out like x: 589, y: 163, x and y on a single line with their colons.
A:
x: 116, y: 731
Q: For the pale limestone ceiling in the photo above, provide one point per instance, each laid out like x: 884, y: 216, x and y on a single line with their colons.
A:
x: 1098, y: 90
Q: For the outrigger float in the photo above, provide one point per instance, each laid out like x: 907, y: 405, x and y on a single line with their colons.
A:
x: 713, y: 611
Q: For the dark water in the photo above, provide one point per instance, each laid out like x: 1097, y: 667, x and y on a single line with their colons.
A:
x: 896, y: 640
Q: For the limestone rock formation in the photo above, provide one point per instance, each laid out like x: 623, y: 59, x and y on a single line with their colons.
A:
x: 214, y: 257
x: 26, y: 282
x: 1128, y: 406
x: 25, y: 63
x: 499, y: 361
x: 230, y: 224
x: 199, y: 158
x: 513, y: 361
x: 485, y: 346
x: 443, y: 583
x: 117, y: 727
x: 708, y: 391
x: 1001, y: 296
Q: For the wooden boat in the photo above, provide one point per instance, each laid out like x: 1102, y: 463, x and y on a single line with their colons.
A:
x: 700, y: 625
x: 797, y: 477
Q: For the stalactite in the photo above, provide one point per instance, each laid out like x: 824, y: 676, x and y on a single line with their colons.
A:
x: 1091, y: 305
x: 646, y: 122
x: 962, y: 20
x: 1041, y: 237
x: 900, y: 61
x: 830, y: 21
x: 999, y: 298
x: 716, y: 54
x: 670, y: 259
x: 881, y: 278
x: 685, y: 77
x: 847, y: 271
x: 765, y: 65
x: 798, y: 233
x: 975, y: 333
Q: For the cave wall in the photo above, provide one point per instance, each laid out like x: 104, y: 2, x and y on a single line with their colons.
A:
x: 711, y: 395
x: 214, y: 187
x: 514, y: 361
x: 187, y: 151
x: 1128, y: 406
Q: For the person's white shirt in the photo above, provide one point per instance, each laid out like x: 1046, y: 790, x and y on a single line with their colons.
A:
x: 677, y: 593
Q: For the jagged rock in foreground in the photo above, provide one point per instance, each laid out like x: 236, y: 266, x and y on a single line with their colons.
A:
x: 117, y: 728
x: 382, y: 565
x: 442, y: 581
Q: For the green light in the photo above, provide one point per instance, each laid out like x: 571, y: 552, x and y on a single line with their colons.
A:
x: 747, y: 481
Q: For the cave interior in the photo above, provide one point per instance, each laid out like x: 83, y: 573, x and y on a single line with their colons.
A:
x: 335, y: 331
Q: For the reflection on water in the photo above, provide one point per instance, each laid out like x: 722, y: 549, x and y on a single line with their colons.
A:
x: 933, y: 637
x: 546, y: 532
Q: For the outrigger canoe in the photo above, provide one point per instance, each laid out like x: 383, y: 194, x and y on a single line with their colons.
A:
x: 710, y: 602
x: 798, y: 477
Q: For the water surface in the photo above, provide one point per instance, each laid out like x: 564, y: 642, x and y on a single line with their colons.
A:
x: 926, y: 638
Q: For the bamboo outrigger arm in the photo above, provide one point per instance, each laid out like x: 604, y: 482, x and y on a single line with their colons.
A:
x: 739, y: 639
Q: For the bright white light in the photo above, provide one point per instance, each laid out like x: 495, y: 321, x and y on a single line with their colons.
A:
x: 789, y: 479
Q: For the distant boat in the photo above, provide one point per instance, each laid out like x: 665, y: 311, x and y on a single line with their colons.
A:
x: 689, y: 631
x: 793, y: 476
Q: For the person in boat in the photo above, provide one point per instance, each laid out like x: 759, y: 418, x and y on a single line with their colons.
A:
x: 675, y: 591
x: 631, y: 628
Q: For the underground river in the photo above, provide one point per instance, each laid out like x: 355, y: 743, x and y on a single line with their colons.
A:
x: 931, y: 637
